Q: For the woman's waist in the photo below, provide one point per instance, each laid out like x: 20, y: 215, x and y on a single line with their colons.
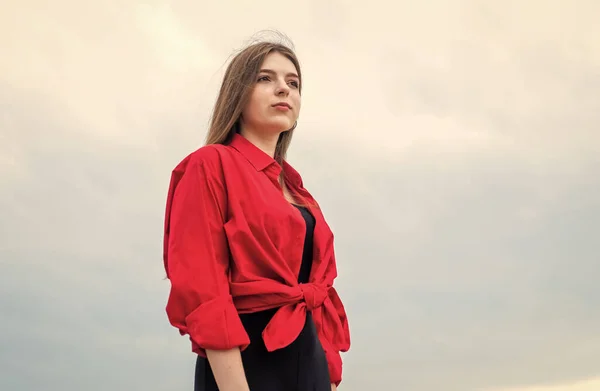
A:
x: 256, y: 322
x: 268, y: 296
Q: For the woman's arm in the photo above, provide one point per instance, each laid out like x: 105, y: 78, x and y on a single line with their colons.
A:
x: 228, y: 369
x: 197, y: 261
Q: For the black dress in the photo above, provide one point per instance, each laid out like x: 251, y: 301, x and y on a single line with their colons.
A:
x: 301, y: 366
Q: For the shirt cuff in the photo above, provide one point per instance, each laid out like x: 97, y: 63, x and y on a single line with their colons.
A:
x: 216, y: 325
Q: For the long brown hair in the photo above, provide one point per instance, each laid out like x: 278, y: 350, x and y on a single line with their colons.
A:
x: 235, y: 91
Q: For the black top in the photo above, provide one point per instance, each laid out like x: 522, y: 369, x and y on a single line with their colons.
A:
x: 307, y: 253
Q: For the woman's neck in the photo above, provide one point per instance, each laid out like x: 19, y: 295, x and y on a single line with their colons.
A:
x: 266, y: 143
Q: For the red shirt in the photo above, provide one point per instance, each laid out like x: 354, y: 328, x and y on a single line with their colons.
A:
x: 233, y: 244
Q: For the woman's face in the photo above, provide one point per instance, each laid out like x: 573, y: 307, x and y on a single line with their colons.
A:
x: 274, y: 103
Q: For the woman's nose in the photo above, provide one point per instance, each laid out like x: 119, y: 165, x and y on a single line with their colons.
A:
x: 282, y: 88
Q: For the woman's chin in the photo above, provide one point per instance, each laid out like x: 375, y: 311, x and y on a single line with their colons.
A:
x: 278, y: 126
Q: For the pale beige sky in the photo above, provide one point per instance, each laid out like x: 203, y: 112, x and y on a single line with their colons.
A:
x: 461, y: 145
x: 586, y: 385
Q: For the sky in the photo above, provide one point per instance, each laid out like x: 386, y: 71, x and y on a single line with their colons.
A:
x: 453, y: 146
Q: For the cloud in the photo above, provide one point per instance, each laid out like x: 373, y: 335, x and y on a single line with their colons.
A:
x: 113, y: 72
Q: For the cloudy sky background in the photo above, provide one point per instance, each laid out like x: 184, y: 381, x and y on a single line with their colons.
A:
x: 454, y: 146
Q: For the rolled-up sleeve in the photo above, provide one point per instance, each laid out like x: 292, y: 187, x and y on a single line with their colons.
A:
x: 200, y: 304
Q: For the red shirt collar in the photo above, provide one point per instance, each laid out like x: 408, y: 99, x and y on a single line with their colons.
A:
x: 256, y: 156
x: 260, y: 160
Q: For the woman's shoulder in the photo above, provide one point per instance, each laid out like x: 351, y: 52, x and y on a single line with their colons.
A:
x: 206, y: 161
x: 208, y: 156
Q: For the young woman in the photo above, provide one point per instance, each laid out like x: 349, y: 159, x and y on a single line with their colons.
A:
x: 246, y: 248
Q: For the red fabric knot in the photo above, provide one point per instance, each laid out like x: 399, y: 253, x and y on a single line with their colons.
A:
x: 314, y: 295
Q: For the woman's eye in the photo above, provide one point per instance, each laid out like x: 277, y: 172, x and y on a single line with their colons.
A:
x: 294, y: 83
x: 263, y: 78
